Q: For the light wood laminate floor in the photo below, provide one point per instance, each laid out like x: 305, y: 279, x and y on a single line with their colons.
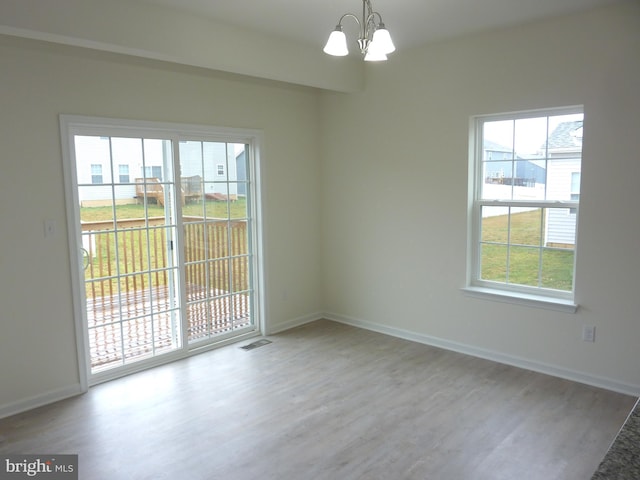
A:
x: 328, y: 401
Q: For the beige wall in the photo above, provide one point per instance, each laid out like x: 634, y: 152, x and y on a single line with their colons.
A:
x: 395, y: 193
x: 365, y: 208
x: 38, y: 82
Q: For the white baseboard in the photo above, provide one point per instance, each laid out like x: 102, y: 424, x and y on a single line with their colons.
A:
x: 560, y: 372
x: 296, y: 322
x: 540, y: 367
x: 40, y: 400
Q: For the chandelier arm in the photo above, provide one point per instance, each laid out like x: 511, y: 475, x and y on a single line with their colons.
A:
x: 367, y: 26
x: 373, y: 14
x: 369, y: 8
x: 350, y: 15
x: 371, y: 24
x: 367, y: 12
x: 363, y: 42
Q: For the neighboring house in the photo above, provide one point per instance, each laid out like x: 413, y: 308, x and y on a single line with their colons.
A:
x: 564, y: 152
x: 214, y: 163
x: 241, y: 172
x: 528, y: 171
x: 499, y: 180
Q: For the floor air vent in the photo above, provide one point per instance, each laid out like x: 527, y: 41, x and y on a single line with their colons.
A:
x: 256, y: 344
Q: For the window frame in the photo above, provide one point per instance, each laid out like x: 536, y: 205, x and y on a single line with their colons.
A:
x: 535, y: 296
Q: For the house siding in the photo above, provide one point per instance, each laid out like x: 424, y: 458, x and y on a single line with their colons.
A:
x: 92, y: 150
x: 561, y: 222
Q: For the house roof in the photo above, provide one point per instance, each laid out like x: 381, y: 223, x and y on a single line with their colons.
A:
x: 566, y: 135
x: 495, y: 147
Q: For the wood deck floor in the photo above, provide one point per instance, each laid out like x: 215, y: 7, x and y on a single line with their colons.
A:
x: 329, y: 402
x: 145, y: 322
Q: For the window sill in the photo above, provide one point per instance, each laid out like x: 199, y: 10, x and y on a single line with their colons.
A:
x: 536, y: 301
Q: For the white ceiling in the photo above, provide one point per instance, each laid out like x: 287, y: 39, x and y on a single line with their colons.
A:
x: 410, y: 22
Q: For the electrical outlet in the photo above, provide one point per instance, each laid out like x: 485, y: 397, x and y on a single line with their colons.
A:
x: 49, y: 228
x: 588, y: 333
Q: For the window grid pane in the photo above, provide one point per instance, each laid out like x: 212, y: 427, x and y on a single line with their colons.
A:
x: 218, y: 257
x: 517, y: 248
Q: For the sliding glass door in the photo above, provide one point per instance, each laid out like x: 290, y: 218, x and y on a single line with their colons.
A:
x: 217, y: 231
x: 128, y: 232
x: 165, y: 228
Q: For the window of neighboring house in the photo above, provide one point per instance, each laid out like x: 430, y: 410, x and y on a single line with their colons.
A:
x: 123, y: 171
x: 220, y: 169
x: 154, y: 171
x: 96, y: 173
x: 522, y: 241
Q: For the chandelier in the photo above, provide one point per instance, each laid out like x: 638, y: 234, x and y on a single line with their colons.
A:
x: 374, y: 39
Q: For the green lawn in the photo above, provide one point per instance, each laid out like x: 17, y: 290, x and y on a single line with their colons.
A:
x: 213, y: 209
x: 518, y: 264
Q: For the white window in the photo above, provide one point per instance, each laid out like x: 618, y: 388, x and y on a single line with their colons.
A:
x: 220, y: 169
x: 153, y: 172
x: 522, y: 240
x: 96, y: 173
x: 123, y: 173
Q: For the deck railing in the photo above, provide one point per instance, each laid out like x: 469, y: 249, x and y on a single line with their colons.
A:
x: 130, y: 304
x: 215, y: 254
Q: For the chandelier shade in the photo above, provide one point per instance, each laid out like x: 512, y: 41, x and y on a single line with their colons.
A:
x: 337, y: 43
x: 382, y: 41
x: 374, y: 56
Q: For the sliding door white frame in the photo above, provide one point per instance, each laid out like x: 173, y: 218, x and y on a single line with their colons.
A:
x: 72, y: 125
